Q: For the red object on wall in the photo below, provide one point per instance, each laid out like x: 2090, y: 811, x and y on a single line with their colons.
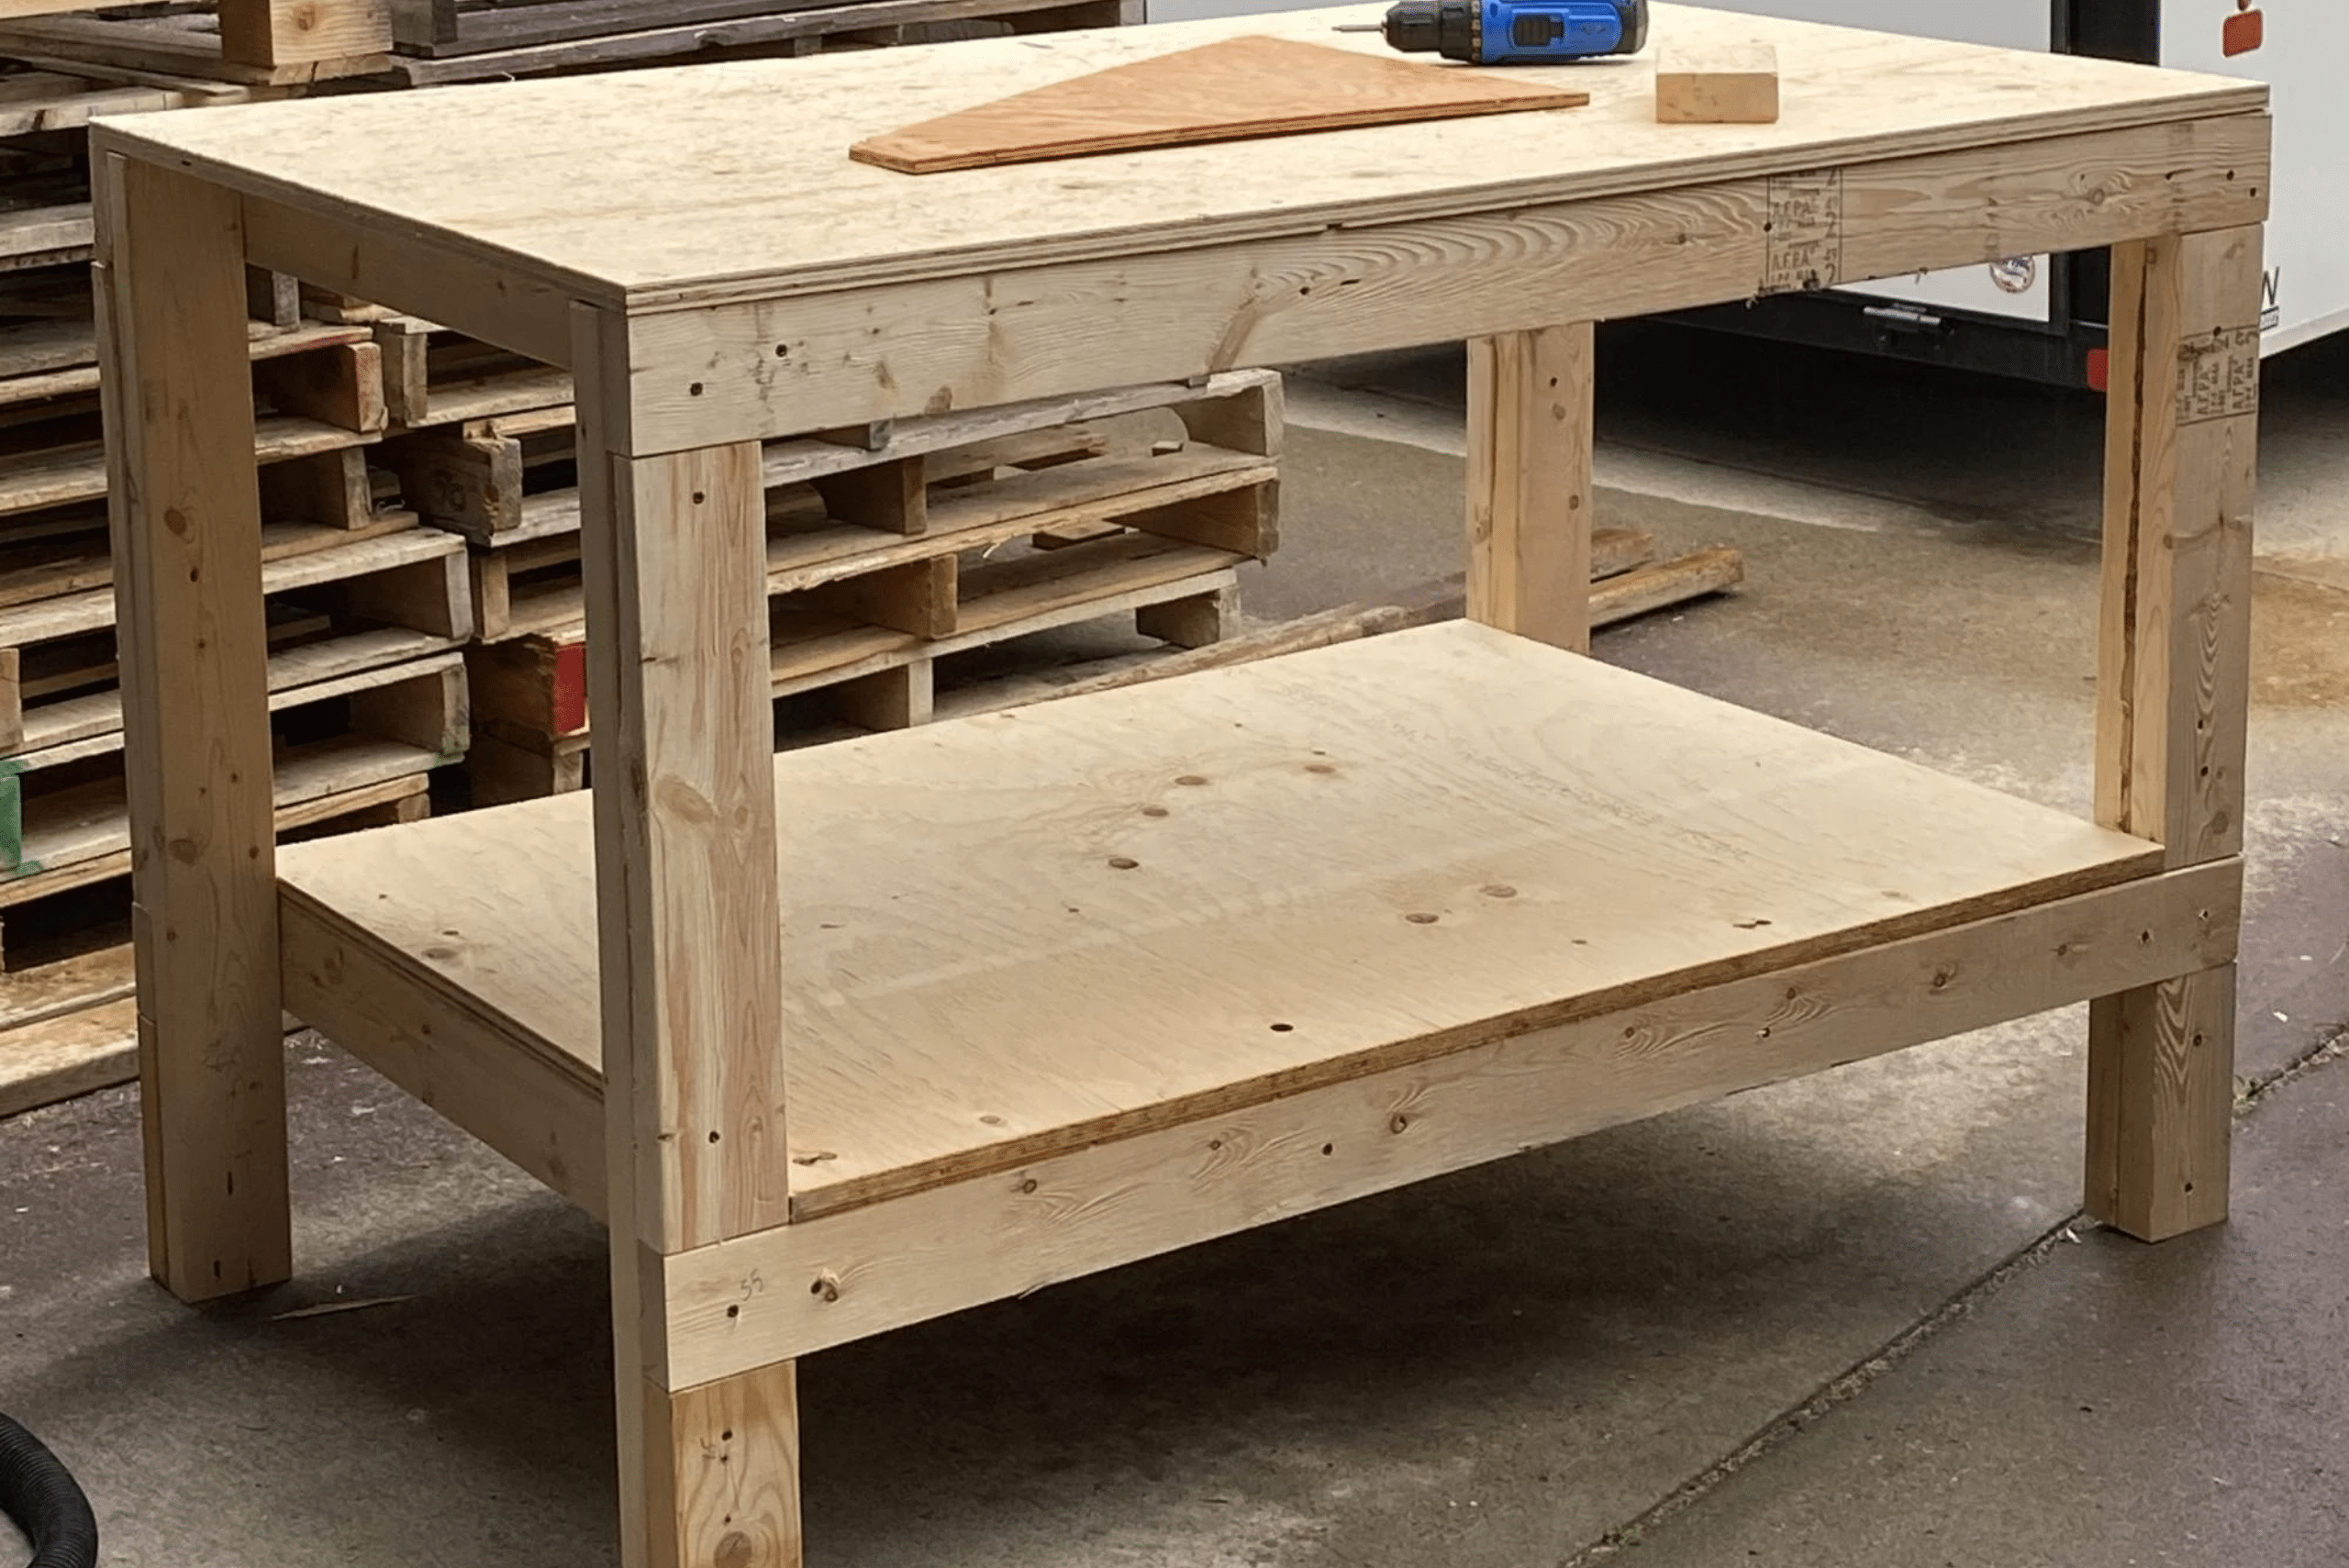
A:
x: 2099, y: 370
x: 2246, y: 30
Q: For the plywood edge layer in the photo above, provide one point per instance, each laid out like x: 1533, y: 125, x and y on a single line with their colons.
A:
x: 815, y: 1283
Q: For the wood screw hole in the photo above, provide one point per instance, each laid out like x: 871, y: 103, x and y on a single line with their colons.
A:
x: 713, y: 1137
x: 1029, y: 1185
x: 828, y: 1286
x: 727, y: 1436
x: 735, y: 1310
x: 1397, y: 1122
x: 1329, y: 1149
x: 694, y: 391
x: 1763, y: 1032
x: 783, y: 351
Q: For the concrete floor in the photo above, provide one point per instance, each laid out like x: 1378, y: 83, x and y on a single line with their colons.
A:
x: 1851, y: 1320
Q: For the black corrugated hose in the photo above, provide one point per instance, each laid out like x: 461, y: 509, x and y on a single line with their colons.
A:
x: 46, y: 1502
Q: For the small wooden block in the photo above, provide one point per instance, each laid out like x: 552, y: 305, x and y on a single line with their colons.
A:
x: 1733, y: 85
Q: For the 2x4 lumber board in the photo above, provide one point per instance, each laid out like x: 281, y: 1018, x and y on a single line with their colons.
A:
x: 1287, y: 300
x: 2180, y: 478
x: 349, y: 252
x: 169, y: 286
x: 2173, y: 675
x: 1726, y: 85
x: 539, y: 1108
x: 689, y: 964
x: 1717, y: 842
x: 280, y: 34
x: 824, y: 1281
x: 1227, y: 90
x: 2161, y: 1104
x: 696, y: 965
x: 1529, y: 409
x: 721, y: 1471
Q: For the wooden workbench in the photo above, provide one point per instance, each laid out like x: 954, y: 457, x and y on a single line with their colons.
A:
x: 848, y: 1039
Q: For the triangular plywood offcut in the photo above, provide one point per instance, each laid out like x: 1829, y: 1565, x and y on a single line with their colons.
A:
x: 1222, y: 92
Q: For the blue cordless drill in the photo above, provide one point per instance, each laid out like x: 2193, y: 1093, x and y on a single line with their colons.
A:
x: 1513, y: 32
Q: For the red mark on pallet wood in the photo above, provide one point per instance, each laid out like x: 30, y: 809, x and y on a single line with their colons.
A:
x: 2099, y: 368
x: 571, y: 688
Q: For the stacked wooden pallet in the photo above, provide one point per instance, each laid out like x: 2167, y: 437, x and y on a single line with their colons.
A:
x: 367, y: 613
x: 889, y: 547
x: 261, y: 44
x: 474, y: 41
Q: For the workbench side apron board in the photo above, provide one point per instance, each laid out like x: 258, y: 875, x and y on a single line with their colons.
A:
x: 2175, y: 648
x: 757, y: 370
x: 185, y: 516
x: 803, y: 1287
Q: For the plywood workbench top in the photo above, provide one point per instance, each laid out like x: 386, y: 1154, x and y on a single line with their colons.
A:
x: 629, y: 190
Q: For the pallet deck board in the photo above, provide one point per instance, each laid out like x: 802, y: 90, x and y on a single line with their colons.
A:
x: 964, y: 942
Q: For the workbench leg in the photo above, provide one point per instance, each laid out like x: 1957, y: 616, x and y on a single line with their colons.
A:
x: 721, y: 1476
x: 1529, y: 484
x: 2173, y: 698
x: 170, y: 286
x: 690, y: 945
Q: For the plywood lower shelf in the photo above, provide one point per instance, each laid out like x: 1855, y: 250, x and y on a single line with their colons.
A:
x: 1012, y: 936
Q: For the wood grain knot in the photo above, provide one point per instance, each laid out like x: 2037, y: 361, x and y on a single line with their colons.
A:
x: 736, y: 1550
x: 826, y: 1287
